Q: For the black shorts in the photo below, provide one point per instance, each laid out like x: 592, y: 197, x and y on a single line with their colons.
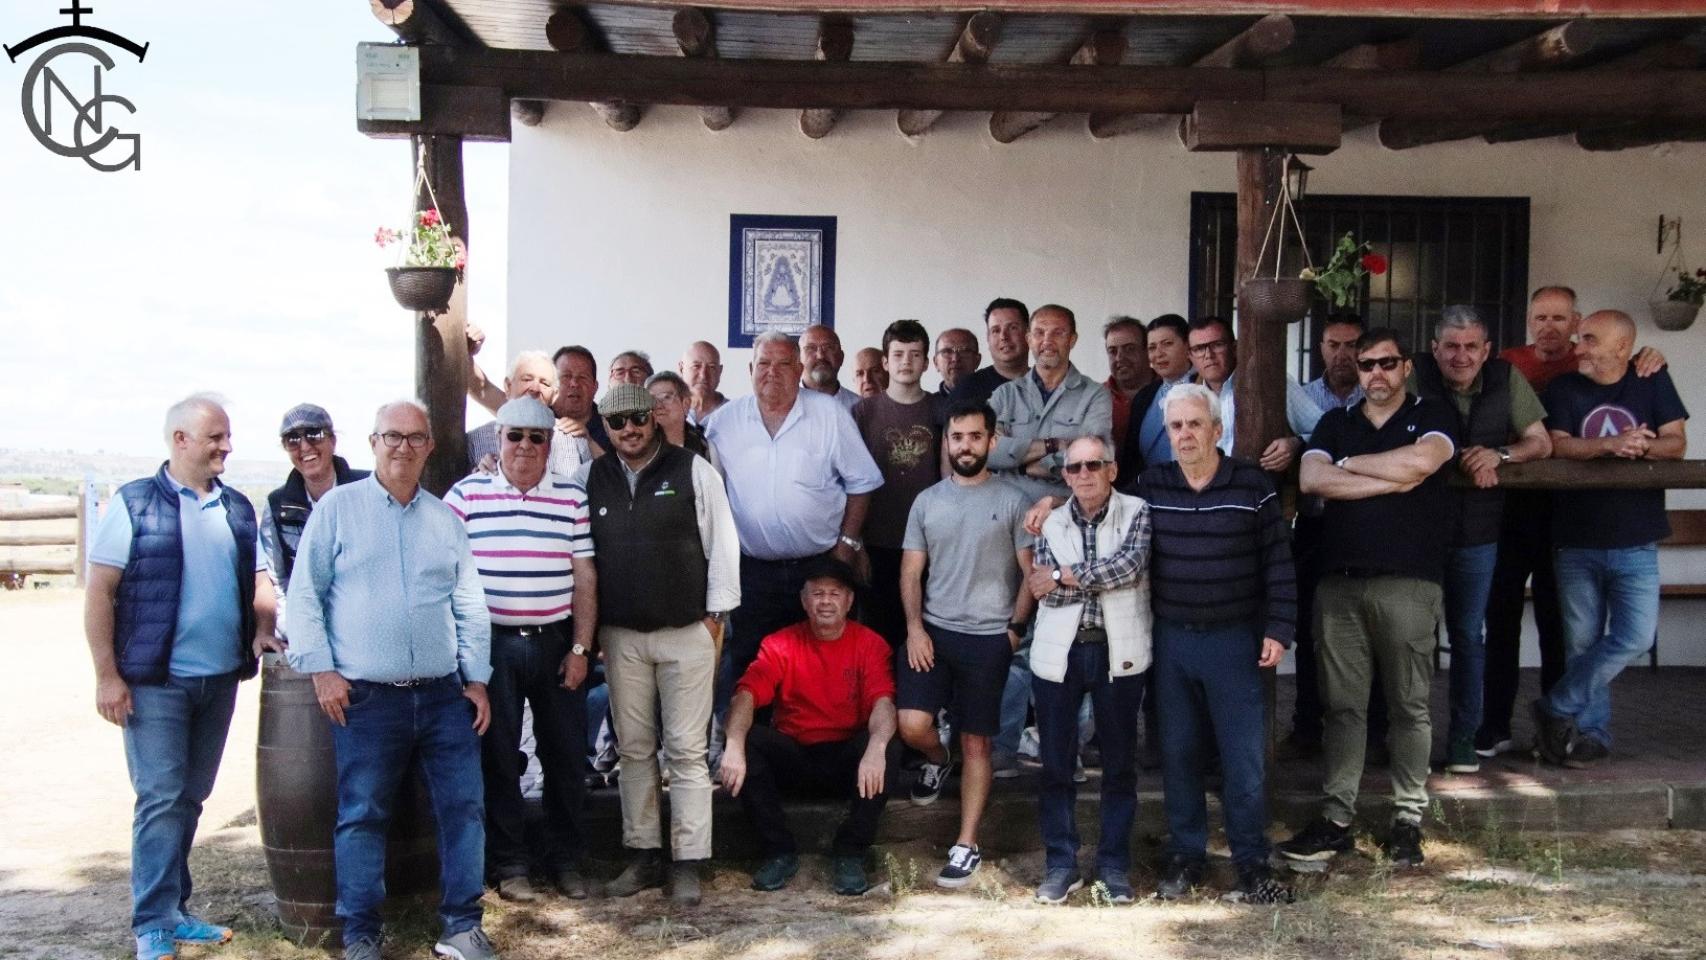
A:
x: 970, y: 672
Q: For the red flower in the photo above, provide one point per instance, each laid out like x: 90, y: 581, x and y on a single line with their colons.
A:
x: 429, y: 217
x: 461, y: 261
x: 1374, y: 263
x: 383, y: 236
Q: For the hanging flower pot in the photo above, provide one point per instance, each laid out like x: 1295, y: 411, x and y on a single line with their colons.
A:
x: 1679, y: 305
x: 422, y: 288
x: 1673, y: 314
x: 1275, y: 299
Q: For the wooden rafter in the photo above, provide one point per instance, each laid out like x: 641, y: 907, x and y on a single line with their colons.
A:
x: 976, y: 42
x: 834, y: 45
x: 568, y: 32
x: 1665, y: 55
x: 1103, y: 48
x: 1644, y: 134
x: 697, y: 37
x: 421, y: 21
x: 1263, y: 39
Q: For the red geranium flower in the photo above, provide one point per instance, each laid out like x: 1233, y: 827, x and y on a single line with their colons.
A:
x: 1374, y: 263
x: 429, y: 217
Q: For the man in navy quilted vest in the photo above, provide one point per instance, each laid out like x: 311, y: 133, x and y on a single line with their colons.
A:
x: 178, y: 606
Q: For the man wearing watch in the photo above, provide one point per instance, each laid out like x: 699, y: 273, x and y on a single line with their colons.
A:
x: 533, y: 547
x: 667, y: 571
x: 1500, y: 421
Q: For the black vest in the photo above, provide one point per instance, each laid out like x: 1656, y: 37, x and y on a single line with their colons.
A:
x: 290, y: 509
x: 651, y: 562
x: 1479, y: 512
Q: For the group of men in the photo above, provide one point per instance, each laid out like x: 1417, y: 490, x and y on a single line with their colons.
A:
x: 1021, y: 541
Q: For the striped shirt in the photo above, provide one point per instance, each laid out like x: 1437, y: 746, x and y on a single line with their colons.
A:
x: 524, y: 543
x: 1221, y: 554
x: 1098, y: 575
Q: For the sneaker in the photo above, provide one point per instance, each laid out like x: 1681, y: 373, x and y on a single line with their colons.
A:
x: 518, y: 889
x: 847, y: 875
x: 157, y: 945
x: 963, y: 861
x: 367, y: 948
x: 1058, y: 884
x: 1585, y: 752
x: 1180, y: 875
x: 643, y: 872
x: 684, y: 889
x: 775, y: 872
x: 1321, y: 840
x: 1404, y: 844
x: 1006, y: 765
x: 193, y: 929
x: 1116, y: 886
x: 1460, y: 757
x: 469, y: 944
x: 1552, y: 734
x: 932, y: 777
x: 1078, y: 774
x: 1491, y: 743
x: 571, y: 884
x: 1030, y: 745
x: 1256, y: 884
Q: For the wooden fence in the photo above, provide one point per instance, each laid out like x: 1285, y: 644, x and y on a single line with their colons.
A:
x: 14, y: 569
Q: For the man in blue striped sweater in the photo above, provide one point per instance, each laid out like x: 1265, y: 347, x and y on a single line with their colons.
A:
x: 1224, y: 596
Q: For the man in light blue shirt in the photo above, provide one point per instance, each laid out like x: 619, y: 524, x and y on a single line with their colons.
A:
x: 1337, y: 386
x: 177, y: 608
x: 388, y: 615
x: 1215, y: 353
x: 1038, y: 415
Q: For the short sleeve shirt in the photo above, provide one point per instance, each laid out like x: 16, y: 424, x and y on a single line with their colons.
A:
x: 1610, y: 519
x: 905, y: 439
x: 823, y: 690
x: 970, y: 536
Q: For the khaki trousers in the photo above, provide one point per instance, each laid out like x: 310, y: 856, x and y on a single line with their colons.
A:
x: 669, y: 673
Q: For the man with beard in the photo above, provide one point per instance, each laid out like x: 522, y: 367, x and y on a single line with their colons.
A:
x: 1037, y: 415
x: 312, y: 446
x: 956, y: 358
x: 820, y: 351
x: 869, y: 377
x: 1006, y: 322
x: 1123, y: 338
x: 702, y: 367
x: 1337, y: 386
x: 963, y: 624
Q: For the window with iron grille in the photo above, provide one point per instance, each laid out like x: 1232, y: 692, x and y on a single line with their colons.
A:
x: 1441, y: 250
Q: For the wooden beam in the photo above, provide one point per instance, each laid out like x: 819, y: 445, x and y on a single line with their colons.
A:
x: 39, y: 568
x: 65, y: 512
x: 696, y: 36
x: 1665, y: 55
x: 834, y: 45
x: 1603, y: 475
x: 976, y: 42
x: 472, y: 113
x: 1103, y: 48
x: 1405, y: 54
x: 528, y: 113
x: 568, y: 31
x: 1251, y: 124
x: 1640, y: 135
x: 422, y: 21
x: 38, y: 539
x: 1265, y: 38
x: 441, y: 342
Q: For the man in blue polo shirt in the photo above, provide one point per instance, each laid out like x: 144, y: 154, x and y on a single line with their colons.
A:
x: 178, y: 605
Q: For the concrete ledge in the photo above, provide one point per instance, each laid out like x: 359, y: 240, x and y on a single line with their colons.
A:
x: 1688, y: 805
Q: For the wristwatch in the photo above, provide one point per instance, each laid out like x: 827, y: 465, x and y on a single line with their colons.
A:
x: 1051, y: 446
x: 579, y: 650
x: 1055, y: 573
x: 853, y: 542
x: 1504, y: 454
x: 1016, y: 628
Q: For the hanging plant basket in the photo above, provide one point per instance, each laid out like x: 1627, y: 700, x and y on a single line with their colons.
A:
x: 1275, y: 299
x: 422, y: 288
x: 1673, y: 314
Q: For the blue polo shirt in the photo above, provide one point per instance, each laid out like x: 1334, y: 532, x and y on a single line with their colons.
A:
x: 208, y: 614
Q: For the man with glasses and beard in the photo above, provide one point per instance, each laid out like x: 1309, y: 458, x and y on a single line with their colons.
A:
x: 668, y: 573
x: 315, y: 468
x: 963, y: 622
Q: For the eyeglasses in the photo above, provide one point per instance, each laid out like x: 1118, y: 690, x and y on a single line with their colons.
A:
x: 1091, y: 465
x: 1213, y: 346
x: 955, y: 351
x: 535, y: 437
x: 297, y: 438
x: 1384, y: 363
x: 393, y: 439
x: 617, y: 421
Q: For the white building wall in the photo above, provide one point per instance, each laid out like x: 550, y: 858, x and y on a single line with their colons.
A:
x: 620, y: 240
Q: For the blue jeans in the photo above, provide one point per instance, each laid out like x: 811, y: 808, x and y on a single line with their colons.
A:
x: 1210, y: 692
x: 1610, y: 603
x: 386, y: 726
x: 1468, y: 584
x: 1116, y: 703
x: 1015, y: 700
x: 173, y: 740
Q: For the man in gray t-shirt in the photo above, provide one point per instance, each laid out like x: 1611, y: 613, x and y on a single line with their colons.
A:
x: 963, y: 624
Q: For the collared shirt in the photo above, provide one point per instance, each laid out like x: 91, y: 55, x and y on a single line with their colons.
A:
x: 693, y: 416
x: 842, y: 395
x: 524, y: 542
x: 1122, y: 405
x: 1097, y: 575
x: 567, y: 453
x: 208, y: 611
x: 789, y: 492
x: 1326, y: 399
x: 1077, y: 407
x: 387, y: 591
x: 1301, y: 413
x: 1152, y: 438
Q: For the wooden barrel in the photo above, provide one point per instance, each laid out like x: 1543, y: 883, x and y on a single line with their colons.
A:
x: 296, y: 781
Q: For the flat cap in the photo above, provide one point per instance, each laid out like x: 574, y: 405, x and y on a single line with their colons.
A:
x: 624, y: 398
x: 526, y: 411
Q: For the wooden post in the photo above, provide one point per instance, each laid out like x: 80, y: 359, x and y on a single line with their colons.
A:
x: 441, y: 343
x: 85, y: 524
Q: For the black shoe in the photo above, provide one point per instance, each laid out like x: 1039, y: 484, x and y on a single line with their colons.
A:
x: 1321, y: 840
x: 1490, y: 742
x: 571, y: 884
x: 1298, y: 746
x: 1116, y: 885
x: 963, y: 861
x: 847, y: 875
x: 1058, y: 884
x: 775, y: 872
x: 1179, y: 877
x: 1404, y: 844
x: 1585, y: 752
x: 1552, y: 734
x: 1256, y: 884
x: 684, y: 883
x: 643, y: 872
x: 932, y: 777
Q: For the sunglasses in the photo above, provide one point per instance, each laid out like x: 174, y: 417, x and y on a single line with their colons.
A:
x: 1082, y: 465
x: 297, y: 438
x: 617, y: 421
x: 393, y: 439
x: 1384, y: 363
x: 535, y: 437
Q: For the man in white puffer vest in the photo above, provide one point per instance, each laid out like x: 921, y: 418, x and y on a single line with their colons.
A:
x: 1092, y: 636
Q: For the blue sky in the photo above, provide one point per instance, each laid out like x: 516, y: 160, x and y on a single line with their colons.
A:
x: 240, y: 259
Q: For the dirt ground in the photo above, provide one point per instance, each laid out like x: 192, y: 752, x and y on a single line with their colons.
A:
x: 64, y: 833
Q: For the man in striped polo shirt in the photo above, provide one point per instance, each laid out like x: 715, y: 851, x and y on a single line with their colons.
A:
x: 531, y: 542
x: 1224, y: 597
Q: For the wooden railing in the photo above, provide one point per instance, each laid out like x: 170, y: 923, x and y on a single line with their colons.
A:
x: 15, y: 568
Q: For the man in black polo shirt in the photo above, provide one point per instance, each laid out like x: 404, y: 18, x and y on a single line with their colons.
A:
x: 1381, y: 467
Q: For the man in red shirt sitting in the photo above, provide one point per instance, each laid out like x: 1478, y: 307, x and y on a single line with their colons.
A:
x: 833, y: 691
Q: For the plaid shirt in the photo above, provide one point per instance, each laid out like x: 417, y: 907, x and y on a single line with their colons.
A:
x: 1097, y: 575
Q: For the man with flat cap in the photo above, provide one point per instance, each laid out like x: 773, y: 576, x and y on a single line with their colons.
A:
x: 312, y: 445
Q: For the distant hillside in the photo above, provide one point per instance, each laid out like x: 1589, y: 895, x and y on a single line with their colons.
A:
x: 57, y: 471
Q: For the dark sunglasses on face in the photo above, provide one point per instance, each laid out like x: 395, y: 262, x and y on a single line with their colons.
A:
x: 1384, y: 363
x: 617, y: 421
x: 297, y: 438
x: 1090, y: 465
x: 535, y: 437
